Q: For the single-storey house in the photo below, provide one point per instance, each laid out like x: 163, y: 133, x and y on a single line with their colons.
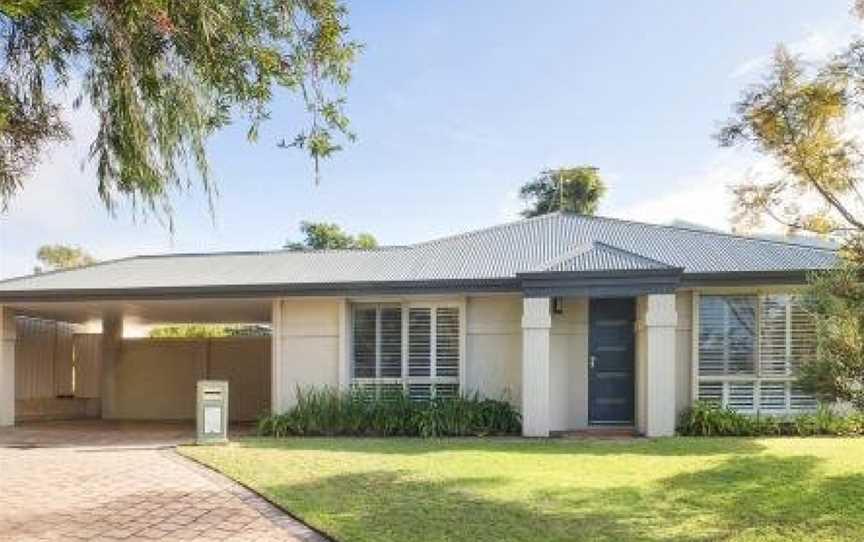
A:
x: 579, y: 320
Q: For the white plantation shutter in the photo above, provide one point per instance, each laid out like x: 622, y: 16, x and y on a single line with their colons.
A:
x: 420, y: 341
x: 727, y: 335
x: 391, y: 342
x: 415, y: 349
x: 447, y: 341
x: 802, y: 341
x: 773, y: 397
x: 365, y: 343
x: 741, y: 396
x: 767, y: 337
x: 774, y: 335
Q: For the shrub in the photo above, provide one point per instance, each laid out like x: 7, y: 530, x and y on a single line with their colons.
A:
x: 357, y: 412
x: 709, y: 419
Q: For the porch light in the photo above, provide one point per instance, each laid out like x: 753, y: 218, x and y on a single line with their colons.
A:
x: 558, y: 305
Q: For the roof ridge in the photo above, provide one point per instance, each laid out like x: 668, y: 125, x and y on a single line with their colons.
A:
x: 631, y: 253
x: 700, y: 231
x: 568, y: 255
x: 486, y: 229
x: 584, y: 248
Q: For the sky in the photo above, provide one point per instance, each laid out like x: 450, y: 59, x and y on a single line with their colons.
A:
x: 455, y: 105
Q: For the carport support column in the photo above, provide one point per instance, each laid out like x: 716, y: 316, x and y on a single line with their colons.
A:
x: 112, y: 344
x: 7, y: 366
x: 536, y: 323
x: 661, y: 319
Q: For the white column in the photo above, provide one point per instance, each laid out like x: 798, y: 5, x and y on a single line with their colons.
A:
x: 536, y: 322
x: 661, y: 319
x: 112, y: 346
x: 7, y: 366
x: 277, y: 396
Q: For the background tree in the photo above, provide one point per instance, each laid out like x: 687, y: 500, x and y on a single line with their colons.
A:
x: 801, y: 117
x: 576, y: 190
x: 55, y: 257
x: 203, y: 331
x: 162, y: 76
x: 325, y: 235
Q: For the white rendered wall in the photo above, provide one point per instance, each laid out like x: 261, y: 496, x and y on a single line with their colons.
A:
x: 306, y: 347
x: 568, y: 400
x: 493, y: 364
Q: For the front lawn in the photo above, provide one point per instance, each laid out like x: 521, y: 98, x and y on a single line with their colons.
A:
x: 505, y: 490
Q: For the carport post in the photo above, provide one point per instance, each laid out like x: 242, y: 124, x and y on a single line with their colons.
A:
x: 112, y: 343
x: 7, y: 366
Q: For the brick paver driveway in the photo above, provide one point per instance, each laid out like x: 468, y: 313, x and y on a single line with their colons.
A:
x: 100, y: 481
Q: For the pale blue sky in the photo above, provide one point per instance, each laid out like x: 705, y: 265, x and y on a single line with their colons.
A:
x: 455, y: 105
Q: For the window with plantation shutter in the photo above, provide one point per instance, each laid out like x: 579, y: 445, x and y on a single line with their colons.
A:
x: 749, y: 348
x: 415, y: 349
x: 365, y: 343
x: 447, y: 341
x: 420, y: 342
x: 391, y: 342
x: 727, y: 335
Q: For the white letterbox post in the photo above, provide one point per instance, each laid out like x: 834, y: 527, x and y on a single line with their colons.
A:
x: 212, y: 413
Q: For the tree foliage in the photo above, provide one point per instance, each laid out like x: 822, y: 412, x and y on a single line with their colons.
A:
x: 55, y: 257
x: 801, y: 118
x: 206, y: 331
x: 325, y: 235
x: 161, y: 77
x: 576, y: 190
x: 837, y: 303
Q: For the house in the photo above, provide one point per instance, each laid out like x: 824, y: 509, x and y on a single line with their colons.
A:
x: 579, y: 320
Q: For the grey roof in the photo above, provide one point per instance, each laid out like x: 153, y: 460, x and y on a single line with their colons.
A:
x: 554, y: 242
x: 599, y: 256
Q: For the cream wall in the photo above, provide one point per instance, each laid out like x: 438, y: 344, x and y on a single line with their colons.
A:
x: 155, y: 379
x: 493, y: 364
x: 306, y: 346
x: 568, y: 395
x: 683, y: 351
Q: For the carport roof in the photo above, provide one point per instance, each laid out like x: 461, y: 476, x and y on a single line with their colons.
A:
x: 490, y: 257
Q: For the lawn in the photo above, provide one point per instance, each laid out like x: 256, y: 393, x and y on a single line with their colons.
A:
x: 505, y: 490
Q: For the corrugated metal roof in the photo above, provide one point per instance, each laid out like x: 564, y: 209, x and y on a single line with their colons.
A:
x: 602, y: 257
x: 548, y: 243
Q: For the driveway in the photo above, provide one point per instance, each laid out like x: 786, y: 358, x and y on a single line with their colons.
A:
x: 104, y: 481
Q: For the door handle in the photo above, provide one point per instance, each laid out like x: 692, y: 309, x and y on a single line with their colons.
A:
x: 593, y: 359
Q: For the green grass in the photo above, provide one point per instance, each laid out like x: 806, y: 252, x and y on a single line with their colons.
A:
x: 511, y: 489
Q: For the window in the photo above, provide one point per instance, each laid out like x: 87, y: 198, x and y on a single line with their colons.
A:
x: 749, y: 348
x: 406, y: 347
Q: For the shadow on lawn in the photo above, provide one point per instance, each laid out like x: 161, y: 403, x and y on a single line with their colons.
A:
x: 770, y: 497
x: 515, y: 445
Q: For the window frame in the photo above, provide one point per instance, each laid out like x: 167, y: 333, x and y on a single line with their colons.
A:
x: 405, y: 380
x: 757, y: 378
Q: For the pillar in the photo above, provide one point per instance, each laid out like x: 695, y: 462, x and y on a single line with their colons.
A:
x: 536, y: 323
x: 661, y: 319
x: 112, y: 346
x: 7, y: 366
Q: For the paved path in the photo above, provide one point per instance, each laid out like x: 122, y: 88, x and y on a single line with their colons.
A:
x: 125, y: 488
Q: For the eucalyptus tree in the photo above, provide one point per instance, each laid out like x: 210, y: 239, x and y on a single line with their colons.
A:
x: 161, y: 77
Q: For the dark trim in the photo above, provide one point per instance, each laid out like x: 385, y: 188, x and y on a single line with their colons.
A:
x: 543, y: 284
x: 599, y: 284
x: 748, y: 278
x: 262, y: 290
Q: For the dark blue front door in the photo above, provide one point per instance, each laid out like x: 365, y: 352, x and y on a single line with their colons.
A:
x: 611, y: 383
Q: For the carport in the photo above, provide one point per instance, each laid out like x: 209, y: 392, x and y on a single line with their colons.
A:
x: 78, y: 357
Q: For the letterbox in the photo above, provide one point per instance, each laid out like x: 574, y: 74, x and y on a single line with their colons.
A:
x: 212, y: 411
